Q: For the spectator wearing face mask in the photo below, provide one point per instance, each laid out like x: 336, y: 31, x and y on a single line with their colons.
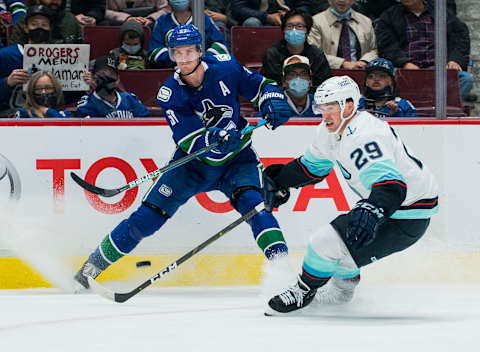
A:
x: 296, y: 26
x: 130, y: 55
x: 106, y: 100
x: 44, y: 98
x: 380, y: 92
x: 215, y: 42
x: 65, y: 28
x: 297, y: 82
x: 38, y: 31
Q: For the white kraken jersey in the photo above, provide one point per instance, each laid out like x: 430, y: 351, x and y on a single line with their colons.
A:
x: 371, y: 153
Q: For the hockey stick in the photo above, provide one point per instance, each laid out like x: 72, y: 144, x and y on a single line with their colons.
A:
x: 122, y: 297
x: 112, y: 192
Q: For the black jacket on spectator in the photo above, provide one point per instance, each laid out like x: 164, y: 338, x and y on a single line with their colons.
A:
x: 91, y: 8
x: 221, y: 6
x: 391, y: 33
x: 273, y: 62
x: 317, y: 6
x: 243, y: 9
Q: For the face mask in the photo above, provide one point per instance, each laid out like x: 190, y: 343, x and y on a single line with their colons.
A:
x: 179, y: 5
x: 294, y: 37
x: 378, y: 94
x: 298, y: 87
x: 342, y: 16
x: 39, y: 35
x: 131, y: 49
x: 105, y: 86
x: 46, y: 99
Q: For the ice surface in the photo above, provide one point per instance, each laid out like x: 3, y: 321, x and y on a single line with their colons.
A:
x: 380, y: 318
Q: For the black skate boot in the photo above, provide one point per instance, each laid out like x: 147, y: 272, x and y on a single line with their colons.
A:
x: 296, y: 297
x: 87, y: 269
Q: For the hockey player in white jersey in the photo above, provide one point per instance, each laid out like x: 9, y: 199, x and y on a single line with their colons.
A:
x: 398, y: 196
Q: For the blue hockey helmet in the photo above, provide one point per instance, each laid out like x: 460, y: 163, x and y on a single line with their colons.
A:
x: 382, y: 65
x: 185, y: 35
x: 181, y: 36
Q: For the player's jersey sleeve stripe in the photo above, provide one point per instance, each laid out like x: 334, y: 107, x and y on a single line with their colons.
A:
x: 218, y: 49
x: 262, y: 85
x: 381, y: 171
x: 315, y: 166
x: 186, y: 142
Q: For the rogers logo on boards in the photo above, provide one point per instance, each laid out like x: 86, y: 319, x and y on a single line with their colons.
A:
x: 60, y: 168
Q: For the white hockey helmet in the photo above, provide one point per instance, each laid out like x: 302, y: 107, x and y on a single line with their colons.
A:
x: 337, y: 89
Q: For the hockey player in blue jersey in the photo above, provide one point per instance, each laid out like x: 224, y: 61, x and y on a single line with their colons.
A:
x: 158, y: 48
x: 380, y: 92
x: 201, y: 104
x: 398, y: 196
x: 106, y: 101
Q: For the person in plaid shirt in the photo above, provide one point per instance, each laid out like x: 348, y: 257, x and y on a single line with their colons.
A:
x: 406, y: 36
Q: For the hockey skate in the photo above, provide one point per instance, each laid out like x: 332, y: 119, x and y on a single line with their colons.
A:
x: 337, y: 291
x: 87, y: 269
x: 296, y: 297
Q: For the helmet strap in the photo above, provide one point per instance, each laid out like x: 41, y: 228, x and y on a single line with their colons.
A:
x: 343, y: 119
x: 188, y: 74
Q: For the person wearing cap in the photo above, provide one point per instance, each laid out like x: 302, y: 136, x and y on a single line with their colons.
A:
x: 38, y: 29
x: 105, y: 100
x: 65, y: 27
x: 380, y: 92
x: 296, y: 27
x: 297, y: 81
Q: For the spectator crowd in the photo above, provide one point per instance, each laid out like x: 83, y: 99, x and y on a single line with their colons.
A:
x: 368, y: 39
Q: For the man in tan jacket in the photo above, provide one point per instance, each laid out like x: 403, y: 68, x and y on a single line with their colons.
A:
x: 346, y: 36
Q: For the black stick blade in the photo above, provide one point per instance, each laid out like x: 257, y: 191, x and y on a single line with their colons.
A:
x: 94, y: 189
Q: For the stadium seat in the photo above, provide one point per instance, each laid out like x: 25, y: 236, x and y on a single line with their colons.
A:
x: 145, y: 84
x: 9, y: 33
x: 102, y: 39
x: 249, y: 44
x: 357, y: 75
x: 418, y: 86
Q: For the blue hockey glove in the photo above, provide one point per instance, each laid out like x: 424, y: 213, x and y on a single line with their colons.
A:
x: 229, y: 140
x: 273, y: 194
x: 274, y: 107
x: 363, y: 223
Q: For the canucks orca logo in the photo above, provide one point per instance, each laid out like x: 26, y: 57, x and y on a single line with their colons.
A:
x: 212, y: 114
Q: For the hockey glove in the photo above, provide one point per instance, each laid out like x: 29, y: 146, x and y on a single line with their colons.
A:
x: 273, y: 194
x: 229, y: 140
x: 274, y: 107
x: 364, y: 220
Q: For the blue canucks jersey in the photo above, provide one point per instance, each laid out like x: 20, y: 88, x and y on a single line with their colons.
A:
x: 405, y: 109
x: 189, y: 111
x: 127, y: 106
x: 16, y: 7
x: 23, y: 113
x: 158, y: 49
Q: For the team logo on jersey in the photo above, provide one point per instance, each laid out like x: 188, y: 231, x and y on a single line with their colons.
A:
x: 165, y: 190
x: 212, y: 114
x: 223, y: 57
x: 164, y: 94
x: 345, y: 173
